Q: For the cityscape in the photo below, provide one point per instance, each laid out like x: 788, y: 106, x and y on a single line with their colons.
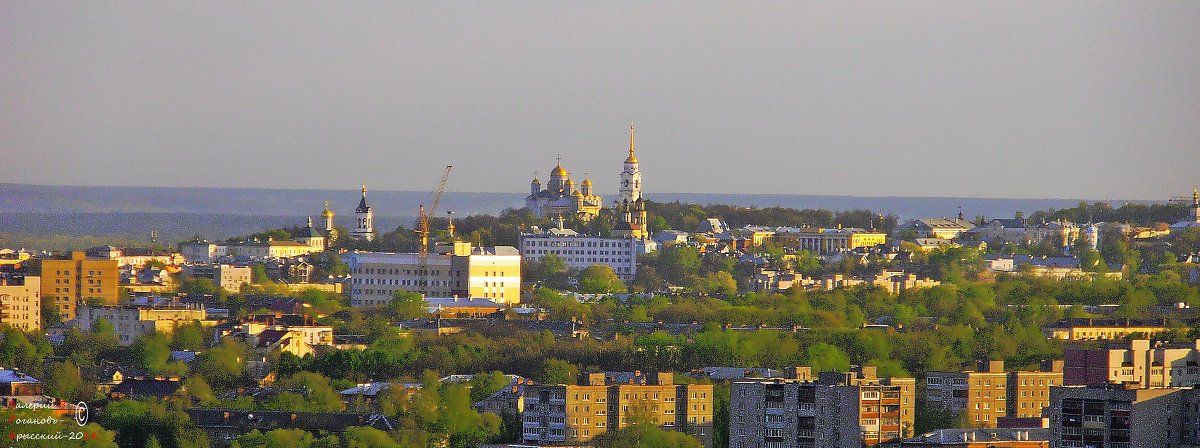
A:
x: 645, y: 288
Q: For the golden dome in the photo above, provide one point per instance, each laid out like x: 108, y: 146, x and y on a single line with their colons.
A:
x: 327, y: 213
x: 558, y: 171
x: 587, y: 182
x: 631, y: 159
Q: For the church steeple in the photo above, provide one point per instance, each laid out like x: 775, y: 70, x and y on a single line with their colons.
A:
x: 631, y: 176
x: 632, y: 158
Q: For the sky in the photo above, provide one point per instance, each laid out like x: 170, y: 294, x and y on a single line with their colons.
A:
x: 1038, y: 99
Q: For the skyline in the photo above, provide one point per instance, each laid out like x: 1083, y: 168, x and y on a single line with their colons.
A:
x: 1037, y: 100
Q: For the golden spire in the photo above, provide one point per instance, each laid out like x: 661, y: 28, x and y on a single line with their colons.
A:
x: 632, y: 158
x: 364, y: 190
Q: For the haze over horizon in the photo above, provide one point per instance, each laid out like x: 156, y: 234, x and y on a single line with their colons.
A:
x: 917, y: 99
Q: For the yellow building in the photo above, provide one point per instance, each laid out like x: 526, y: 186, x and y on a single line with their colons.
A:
x: 990, y: 393
x: 827, y: 241
x: 1084, y: 329
x: 574, y: 414
x: 21, y: 303
x: 67, y: 282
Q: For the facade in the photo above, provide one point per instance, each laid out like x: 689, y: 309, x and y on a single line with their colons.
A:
x: 231, y: 278
x: 827, y: 241
x: 561, y: 198
x: 492, y: 273
x: 132, y: 321
x: 852, y: 409
x: 67, y: 282
x: 1114, y: 417
x: 991, y: 393
x: 580, y: 251
x: 558, y: 414
x: 942, y: 228
x: 21, y: 303
x: 1089, y: 329
x: 1136, y: 363
x: 364, y: 219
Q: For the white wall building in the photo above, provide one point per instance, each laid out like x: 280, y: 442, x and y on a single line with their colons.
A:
x: 580, y: 251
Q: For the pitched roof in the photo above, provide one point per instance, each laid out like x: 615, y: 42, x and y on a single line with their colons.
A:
x: 147, y: 387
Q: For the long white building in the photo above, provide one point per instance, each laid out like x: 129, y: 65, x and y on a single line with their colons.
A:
x: 580, y: 251
x: 462, y: 271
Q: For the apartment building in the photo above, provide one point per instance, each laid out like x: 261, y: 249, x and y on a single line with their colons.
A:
x: 851, y: 409
x: 558, y: 414
x: 989, y: 393
x: 1137, y: 362
x: 66, y: 282
x: 131, y: 321
x: 1116, y: 417
x: 581, y: 251
x: 21, y: 303
x: 452, y: 271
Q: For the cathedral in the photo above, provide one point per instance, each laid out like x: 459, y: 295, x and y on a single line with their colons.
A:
x: 562, y: 198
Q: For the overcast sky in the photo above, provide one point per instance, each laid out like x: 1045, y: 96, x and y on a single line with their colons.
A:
x: 998, y: 99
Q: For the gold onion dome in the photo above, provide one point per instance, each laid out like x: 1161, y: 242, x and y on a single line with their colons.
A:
x: 559, y: 171
x: 327, y: 213
x: 587, y: 182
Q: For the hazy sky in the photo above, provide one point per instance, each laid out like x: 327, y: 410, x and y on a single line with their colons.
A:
x: 996, y: 99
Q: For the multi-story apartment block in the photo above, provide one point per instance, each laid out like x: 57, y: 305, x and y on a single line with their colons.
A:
x: 1089, y: 329
x: 66, y: 282
x: 131, y: 321
x: 851, y: 409
x: 990, y: 393
x: 1029, y: 391
x: 557, y: 414
x: 21, y: 303
x: 459, y: 271
x: 231, y: 278
x: 1136, y: 362
x: 581, y: 251
x: 1115, y: 417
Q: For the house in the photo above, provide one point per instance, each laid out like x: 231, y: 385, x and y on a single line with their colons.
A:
x: 143, y: 387
x: 936, y: 227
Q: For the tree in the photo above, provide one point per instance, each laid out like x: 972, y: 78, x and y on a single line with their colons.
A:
x: 65, y: 381
x: 556, y: 371
x: 406, y: 305
x: 483, y: 385
x: 600, y: 279
x: 719, y: 283
x: 188, y: 336
x: 824, y: 357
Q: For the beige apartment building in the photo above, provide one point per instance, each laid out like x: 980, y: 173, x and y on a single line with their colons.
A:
x: 21, y: 303
x: 557, y: 414
x: 987, y: 394
x: 133, y: 321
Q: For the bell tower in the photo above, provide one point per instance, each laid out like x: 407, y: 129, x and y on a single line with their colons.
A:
x: 631, y: 176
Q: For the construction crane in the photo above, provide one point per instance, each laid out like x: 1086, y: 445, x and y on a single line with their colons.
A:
x: 423, y: 233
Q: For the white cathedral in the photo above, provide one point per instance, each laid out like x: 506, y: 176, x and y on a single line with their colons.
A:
x: 561, y: 198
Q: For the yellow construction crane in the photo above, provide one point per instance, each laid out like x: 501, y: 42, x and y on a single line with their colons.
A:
x: 423, y: 233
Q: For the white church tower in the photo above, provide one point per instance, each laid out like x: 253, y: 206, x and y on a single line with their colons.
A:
x: 364, y: 219
x: 631, y: 177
